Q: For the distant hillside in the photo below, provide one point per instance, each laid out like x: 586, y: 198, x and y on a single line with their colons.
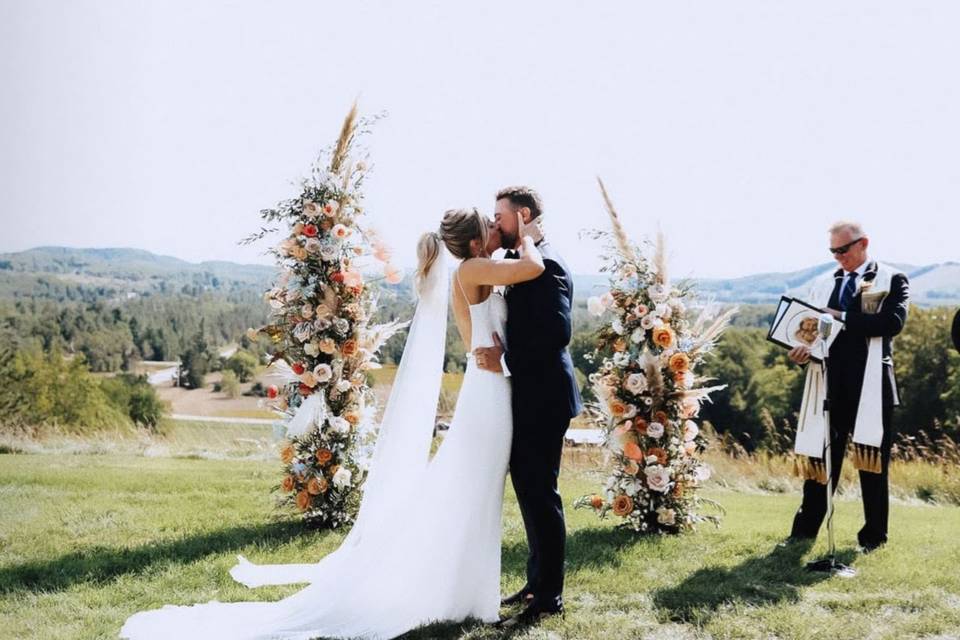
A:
x: 66, y: 273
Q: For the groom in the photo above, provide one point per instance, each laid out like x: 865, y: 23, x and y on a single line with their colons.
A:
x: 545, y: 399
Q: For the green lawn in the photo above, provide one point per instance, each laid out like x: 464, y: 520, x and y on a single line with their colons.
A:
x: 86, y: 540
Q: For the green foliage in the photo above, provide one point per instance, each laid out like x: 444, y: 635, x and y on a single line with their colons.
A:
x: 230, y: 384
x: 196, y: 361
x: 242, y: 364
x: 134, y: 395
x: 45, y: 388
x: 928, y: 374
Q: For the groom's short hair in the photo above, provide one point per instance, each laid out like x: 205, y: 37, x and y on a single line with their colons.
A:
x: 523, y: 196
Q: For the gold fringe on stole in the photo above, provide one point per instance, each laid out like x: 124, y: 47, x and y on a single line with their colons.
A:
x: 866, y: 458
x: 810, y: 469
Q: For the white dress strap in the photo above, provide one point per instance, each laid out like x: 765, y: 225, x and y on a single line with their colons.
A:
x: 460, y: 284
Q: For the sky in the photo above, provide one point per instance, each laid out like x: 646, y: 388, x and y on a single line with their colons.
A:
x: 742, y: 130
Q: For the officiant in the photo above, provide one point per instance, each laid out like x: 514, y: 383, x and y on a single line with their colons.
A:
x: 871, y: 300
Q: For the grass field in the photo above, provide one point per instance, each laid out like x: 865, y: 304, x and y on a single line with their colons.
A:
x: 86, y: 540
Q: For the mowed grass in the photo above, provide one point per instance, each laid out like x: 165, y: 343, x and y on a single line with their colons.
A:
x: 86, y: 540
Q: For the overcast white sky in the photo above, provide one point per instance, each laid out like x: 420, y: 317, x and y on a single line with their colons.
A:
x: 743, y: 128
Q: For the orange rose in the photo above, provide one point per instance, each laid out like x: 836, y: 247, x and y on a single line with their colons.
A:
x: 622, y: 505
x: 288, y: 484
x: 679, y: 363
x: 349, y: 348
x: 659, y: 453
x: 663, y: 337
x: 620, y: 344
x: 324, y: 456
x: 303, y: 500
x: 617, y: 408
x: 313, y: 487
x: 286, y: 454
x: 661, y: 417
x: 678, y: 490
x: 640, y: 425
x: 632, y: 468
x: 633, y: 451
x: 353, y: 417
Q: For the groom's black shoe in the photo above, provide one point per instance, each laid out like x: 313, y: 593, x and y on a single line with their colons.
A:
x: 524, y: 596
x: 534, y: 613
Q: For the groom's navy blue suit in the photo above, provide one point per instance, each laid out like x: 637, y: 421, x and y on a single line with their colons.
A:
x: 545, y: 398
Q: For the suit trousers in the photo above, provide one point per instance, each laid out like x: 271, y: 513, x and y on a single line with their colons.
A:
x: 534, y: 471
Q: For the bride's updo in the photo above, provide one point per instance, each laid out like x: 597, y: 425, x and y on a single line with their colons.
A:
x: 457, y: 229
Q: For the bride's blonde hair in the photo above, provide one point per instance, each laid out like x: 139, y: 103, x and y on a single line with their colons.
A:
x: 457, y: 229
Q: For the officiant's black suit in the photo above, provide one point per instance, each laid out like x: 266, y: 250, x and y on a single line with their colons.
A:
x: 845, y: 369
x: 545, y: 398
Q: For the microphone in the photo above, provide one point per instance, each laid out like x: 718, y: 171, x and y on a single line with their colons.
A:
x: 825, y: 325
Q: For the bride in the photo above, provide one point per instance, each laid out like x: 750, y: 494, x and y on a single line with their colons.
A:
x: 425, y: 546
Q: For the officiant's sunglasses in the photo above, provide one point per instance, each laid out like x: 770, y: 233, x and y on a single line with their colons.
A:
x: 839, y: 251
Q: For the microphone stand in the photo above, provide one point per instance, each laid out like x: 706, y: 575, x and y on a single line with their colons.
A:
x: 829, y: 564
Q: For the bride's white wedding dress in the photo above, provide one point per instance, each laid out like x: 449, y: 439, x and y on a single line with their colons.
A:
x: 426, y: 544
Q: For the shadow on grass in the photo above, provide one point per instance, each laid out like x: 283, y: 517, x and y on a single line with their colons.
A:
x: 100, y: 564
x: 758, y: 581
x: 589, y: 548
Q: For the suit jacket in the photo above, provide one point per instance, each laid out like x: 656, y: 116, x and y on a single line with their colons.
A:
x: 848, y: 353
x: 538, y: 332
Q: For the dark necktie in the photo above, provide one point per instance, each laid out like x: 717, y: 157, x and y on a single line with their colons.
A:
x: 511, y: 255
x: 849, y: 289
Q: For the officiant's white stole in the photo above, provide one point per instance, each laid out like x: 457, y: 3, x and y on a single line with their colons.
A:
x: 868, y: 428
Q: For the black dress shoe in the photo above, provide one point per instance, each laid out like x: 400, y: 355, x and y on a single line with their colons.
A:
x: 534, y: 613
x: 869, y: 547
x: 524, y: 595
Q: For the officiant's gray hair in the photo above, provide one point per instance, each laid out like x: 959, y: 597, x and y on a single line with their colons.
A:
x: 855, y: 228
x: 457, y: 229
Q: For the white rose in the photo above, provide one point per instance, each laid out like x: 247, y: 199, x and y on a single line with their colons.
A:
x: 662, y: 310
x: 311, y: 209
x: 666, y: 516
x: 342, y: 478
x: 303, y: 331
x: 323, y: 372
x: 690, y: 430
x: 658, y: 478
x: 340, y: 425
x: 621, y: 358
x: 655, y: 430
x: 594, y: 306
x: 647, y: 322
x: 702, y: 473
x: 617, y: 326
x: 636, y: 383
x: 307, y: 310
x: 607, y: 299
x: 329, y: 251
x: 312, y: 349
x: 340, y: 232
x: 637, y: 336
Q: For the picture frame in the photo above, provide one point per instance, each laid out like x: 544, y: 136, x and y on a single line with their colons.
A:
x: 795, y: 324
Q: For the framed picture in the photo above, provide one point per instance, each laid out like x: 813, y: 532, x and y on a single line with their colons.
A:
x: 796, y: 323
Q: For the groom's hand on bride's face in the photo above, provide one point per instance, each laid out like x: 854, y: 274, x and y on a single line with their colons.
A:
x: 488, y: 358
